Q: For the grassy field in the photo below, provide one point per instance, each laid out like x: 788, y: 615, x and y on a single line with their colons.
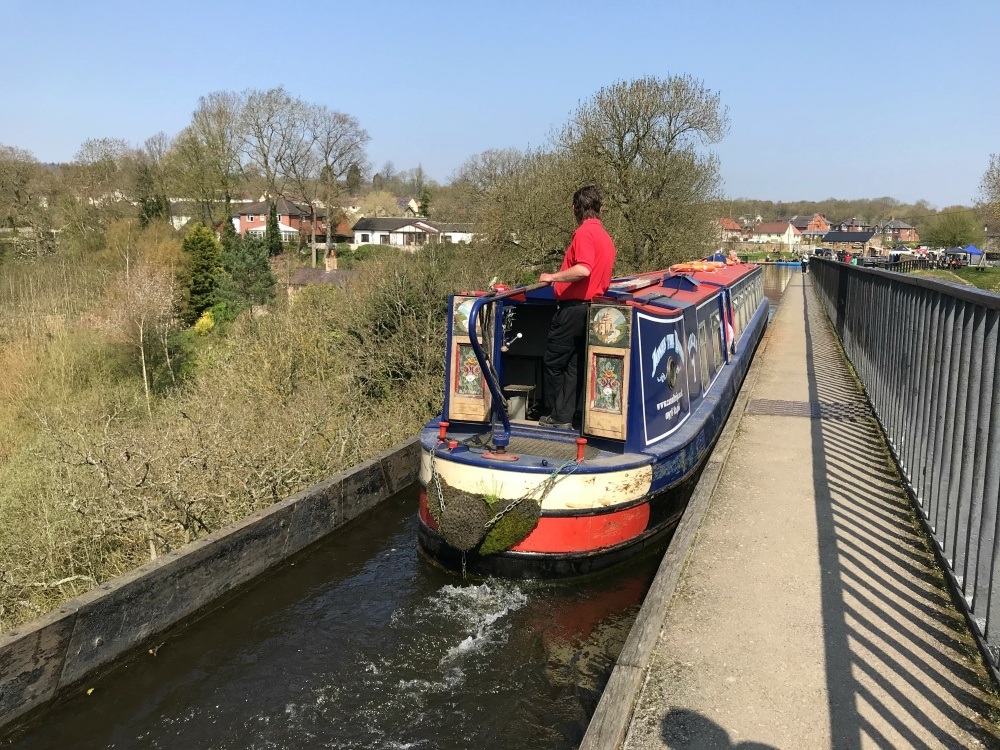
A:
x: 984, y: 278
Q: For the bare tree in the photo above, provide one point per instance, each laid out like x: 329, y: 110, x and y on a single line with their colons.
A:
x: 272, y: 135
x: 140, y: 305
x: 326, y: 145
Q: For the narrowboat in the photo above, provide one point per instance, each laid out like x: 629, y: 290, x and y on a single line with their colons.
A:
x: 665, y: 356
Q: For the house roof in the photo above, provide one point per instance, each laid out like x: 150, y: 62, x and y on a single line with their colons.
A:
x: 386, y: 224
x: 847, y: 236
x: 774, y: 227
x: 452, y: 227
x: 307, y: 276
x: 729, y: 225
x: 394, y: 224
x: 284, y: 207
x: 897, y: 224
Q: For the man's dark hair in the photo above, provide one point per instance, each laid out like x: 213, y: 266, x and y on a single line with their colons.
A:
x: 587, y: 203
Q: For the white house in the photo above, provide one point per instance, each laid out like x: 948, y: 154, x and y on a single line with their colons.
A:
x: 406, y: 232
x: 782, y: 232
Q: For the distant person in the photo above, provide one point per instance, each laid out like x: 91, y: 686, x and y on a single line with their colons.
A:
x: 805, y: 263
x: 585, y: 274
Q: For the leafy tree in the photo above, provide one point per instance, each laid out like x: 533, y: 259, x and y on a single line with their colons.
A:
x: 380, y: 203
x: 989, y: 190
x: 199, y: 276
x: 246, y: 278
x: 272, y: 234
x: 639, y: 141
x: 425, y: 202
x: 953, y: 229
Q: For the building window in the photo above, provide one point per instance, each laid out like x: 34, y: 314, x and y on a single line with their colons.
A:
x: 365, y: 239
x: 383, y: 239
x: 250, y: 218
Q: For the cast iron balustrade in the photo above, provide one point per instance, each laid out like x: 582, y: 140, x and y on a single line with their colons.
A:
x: 926, y: 353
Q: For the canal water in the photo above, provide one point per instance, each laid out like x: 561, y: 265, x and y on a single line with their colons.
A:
x: 776, y: 278
x: 362, y: 643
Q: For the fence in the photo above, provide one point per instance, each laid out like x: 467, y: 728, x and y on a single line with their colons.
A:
x: 926, y: 353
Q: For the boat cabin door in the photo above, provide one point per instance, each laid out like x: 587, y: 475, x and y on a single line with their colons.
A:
x: 606, y: 397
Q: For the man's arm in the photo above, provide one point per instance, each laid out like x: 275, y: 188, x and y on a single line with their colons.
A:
x: 573, y: 273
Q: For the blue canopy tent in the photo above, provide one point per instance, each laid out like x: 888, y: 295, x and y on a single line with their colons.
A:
x: 973, y: 250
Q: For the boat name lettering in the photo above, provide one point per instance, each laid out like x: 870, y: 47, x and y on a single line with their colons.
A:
x: 666, y: 343
x: 672, y: 400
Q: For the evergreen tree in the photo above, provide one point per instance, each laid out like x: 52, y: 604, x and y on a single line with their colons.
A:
x: 272, y: 235
x: 152, y: 205
x: 246, y: 277
x: 198, y: 278
x: 354, y: 179
x: 230, y: 239
x: 425, y: 202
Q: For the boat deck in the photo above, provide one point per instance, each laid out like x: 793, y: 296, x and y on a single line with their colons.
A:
x: 558, y: 450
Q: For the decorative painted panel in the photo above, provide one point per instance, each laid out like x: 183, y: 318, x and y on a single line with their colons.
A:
x: 468, y: 374
x: 610, y: 326
x: 608, y: 378
x: 462, y: 307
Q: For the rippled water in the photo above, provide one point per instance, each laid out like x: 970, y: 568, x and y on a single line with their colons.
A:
x: 363, y: 644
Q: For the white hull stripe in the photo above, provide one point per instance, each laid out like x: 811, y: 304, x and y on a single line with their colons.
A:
x: 570, y: 491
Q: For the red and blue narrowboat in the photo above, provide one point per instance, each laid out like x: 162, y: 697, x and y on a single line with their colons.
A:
x: 666, y: 354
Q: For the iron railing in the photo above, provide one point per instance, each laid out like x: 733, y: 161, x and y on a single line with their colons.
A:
x: 926, y: 353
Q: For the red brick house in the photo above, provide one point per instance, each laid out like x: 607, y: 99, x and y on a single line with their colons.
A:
x: 899, y: 231
x: 729, y: 230
x: 293, y: 219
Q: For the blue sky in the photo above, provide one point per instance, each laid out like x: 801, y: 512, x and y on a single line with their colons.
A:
x: 848, y: 99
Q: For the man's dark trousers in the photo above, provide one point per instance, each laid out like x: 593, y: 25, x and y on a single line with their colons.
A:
x: 563, y: 359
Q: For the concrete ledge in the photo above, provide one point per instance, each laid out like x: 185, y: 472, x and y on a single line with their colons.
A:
x: 89, y: 632
x: 609, y: 725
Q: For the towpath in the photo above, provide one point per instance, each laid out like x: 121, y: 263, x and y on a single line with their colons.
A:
x: 810, y: 612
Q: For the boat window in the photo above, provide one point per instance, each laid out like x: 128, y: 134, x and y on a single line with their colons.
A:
x: 703, y: 349
x: 716, y: 337
x: 672, y: 374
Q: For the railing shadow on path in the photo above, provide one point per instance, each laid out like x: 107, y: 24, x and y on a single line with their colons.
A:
x: 897, y: 653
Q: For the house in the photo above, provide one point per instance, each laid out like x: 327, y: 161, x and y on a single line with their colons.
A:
x: 855, y: 242
x: 899, y: 231
x: 729, y: 230
x: 293, y: 219
x: 182, y: 211
x: 408, y: 206
x: 780, y: 232
x: 853, y: 225
x: 453, y: 233
x: 406, y: 232
x: 814, y: 223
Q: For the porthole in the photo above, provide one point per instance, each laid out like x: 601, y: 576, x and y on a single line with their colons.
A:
x: 672, y: 373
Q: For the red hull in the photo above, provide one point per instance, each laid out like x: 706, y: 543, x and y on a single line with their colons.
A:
x: 568, y: 534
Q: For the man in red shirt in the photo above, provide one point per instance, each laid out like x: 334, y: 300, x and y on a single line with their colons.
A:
x: 585, y: 274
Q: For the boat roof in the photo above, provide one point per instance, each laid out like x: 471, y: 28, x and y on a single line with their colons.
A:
x: 675, y: 291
